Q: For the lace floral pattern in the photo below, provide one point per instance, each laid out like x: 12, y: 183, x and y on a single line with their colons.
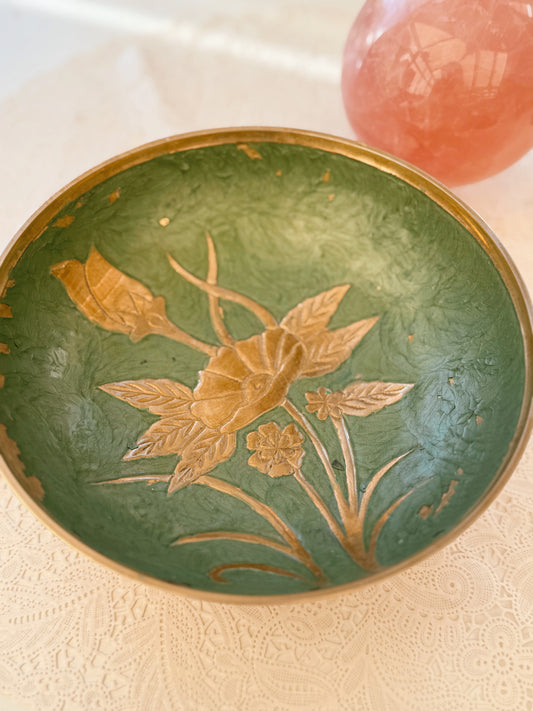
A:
x: 455, y: 631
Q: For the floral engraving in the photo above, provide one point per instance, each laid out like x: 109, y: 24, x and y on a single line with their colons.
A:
x: 248, y: 379
x: 242, y: 381
x: 324, y: 403
x: 359, y: 399
x: 277, y: 452
x: 116, y: 302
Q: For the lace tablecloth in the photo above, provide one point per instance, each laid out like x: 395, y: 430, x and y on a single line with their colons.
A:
x: 454, y: 632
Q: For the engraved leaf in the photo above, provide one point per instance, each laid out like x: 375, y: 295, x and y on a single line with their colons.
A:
x: 169, y: 435
x: 161, y: 397
x: 326, y: 351
x: 208, y: 450
x: 361, y: 399
x: 111, y: 299
x: 313, y: 315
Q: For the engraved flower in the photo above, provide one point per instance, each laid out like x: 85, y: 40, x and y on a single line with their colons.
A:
x: 324, y: 403
x: 248, y: 379
x: 110, y: 298
x: 116, y: 302
x: 277, y: 452
x: 242, y: 380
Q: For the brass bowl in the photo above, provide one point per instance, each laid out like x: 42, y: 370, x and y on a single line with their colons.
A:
x: 257, y: 364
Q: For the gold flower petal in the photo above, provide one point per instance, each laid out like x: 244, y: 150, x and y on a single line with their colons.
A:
x: 249, y: 351
x: 282, y: 468
x: 72, y: 273
x: 253, y: 440
x: 313, y: 399
x: 284, y: 441
x: 215, y: 385
x: 270, y: 429
x: 294, y: 433
x: 248, y: 413
x: 114, y: 290
x: 278, y: 452
x: 274, y: 396
x: 116, y: 302
x: 227, y: 362
x: 270, y: 363
x: 258, y: 463
x: 215, y: 412
x: 325, y: 404
x: 272, y: 343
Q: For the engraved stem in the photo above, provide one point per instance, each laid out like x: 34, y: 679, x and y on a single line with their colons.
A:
x: 217, y: 573
x: 302, y: 420
x: 267, y: 513
x: 321, y: 506
x: 294, y: 549
x: 371, y: 562
x: 241, y: 537
x: 349, y: 462
x: 214, y: 306
x: 176, y: 334
x: 244, y: 538
x: 221, y: 292
x: 133, y: 479
x: 375, y: 481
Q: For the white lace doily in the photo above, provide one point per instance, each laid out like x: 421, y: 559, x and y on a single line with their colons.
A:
x: 454, y: 632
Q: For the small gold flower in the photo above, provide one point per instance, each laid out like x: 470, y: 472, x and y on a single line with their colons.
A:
x: 277, y: 452
x: 325, y: 403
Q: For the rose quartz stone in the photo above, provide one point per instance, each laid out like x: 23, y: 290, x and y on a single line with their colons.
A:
x: 444, y: 84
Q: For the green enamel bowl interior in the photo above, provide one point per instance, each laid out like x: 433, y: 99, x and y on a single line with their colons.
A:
x: 332, y: 385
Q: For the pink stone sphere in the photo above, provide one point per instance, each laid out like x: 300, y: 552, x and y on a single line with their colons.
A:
x: 444, y: 84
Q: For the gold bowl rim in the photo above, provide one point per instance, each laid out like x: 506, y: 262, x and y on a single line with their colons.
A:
x: 384, y: 162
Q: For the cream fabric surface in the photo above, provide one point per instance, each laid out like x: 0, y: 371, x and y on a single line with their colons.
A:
x: 82, y: 81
